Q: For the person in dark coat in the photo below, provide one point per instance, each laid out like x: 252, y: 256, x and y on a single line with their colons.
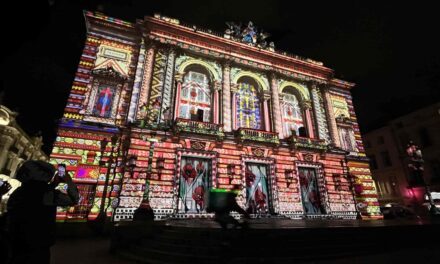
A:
x: 222, y: 214
x: 31, y: 217
x: 4, y: 242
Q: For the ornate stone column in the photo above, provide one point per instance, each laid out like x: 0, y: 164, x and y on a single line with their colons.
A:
x: 331, y: 117
x: 266, y: 97
x: 6, y: 142
x: 307, y: 108
x: 168, y: 84
x: 234, y: 89
x: 137, y: 83
x: 276, y: 115
x: 179, y: 81
x: 227, y: 97
x: 216, y: 104
x: 146, y: 83
x: 321, y: 121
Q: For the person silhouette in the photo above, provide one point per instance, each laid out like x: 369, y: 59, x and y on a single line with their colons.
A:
x: 222, y: 215
x: 32, y: 211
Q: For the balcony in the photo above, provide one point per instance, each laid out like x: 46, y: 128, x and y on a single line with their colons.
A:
x: 248, y: 134
x: 307, y: 143
x: 197, y: 127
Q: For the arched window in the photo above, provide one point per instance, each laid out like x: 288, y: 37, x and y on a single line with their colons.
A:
x: 248, y: 113
x: 195, y: 97
x: 292, y: 117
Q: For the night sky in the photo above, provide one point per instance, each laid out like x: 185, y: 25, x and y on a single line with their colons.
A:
x: 389, y: 50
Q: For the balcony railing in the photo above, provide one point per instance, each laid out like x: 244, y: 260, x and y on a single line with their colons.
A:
x: 197, y: 127
x: 307, y: 143
x: 257, y: 135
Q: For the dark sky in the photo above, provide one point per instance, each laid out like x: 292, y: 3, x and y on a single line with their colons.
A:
x: 389, y: 50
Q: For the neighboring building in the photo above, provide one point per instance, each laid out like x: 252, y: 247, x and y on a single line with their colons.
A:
x: 15, y: 145
x: 191, y: 110
x: 386, y: 148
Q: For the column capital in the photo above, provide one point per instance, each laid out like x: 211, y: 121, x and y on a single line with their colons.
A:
x: 265, y: 95
x: 217, y: 86
x: 273, y: 76
x: 178, y: 77
x: 324, y: 87
x: 150, y: 44
x: 226, y: 63
x: 234, y: 87
x: 306, y: 104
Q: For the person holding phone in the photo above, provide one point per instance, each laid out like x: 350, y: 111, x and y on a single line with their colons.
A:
x: 32, y: 210
x: 61, y: 170
x: 4, y: 188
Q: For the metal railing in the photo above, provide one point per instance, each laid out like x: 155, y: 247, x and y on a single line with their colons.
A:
x: 307, y: 143
x: 257, y: 135
x: 198, y: 127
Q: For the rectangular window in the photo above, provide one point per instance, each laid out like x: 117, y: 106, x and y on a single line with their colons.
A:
x: 257, y: 192
x: 195, y: 180
x: 373, y: 162
x: 386, y: 160
x: 310, y: 191
x: 346, y: 136
x: 183, y: 111
x: 425, y: 139
x: 380, y: 140
x: 367, y: 144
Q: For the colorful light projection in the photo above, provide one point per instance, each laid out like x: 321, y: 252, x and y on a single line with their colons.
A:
x: 194, y: 182
x: 257, y: 198
x: 195, y: 100
x: 248, y: 106
x: 292, y: 116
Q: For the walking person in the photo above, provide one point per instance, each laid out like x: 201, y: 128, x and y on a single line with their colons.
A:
x: 32, y: 210
x: 222, y: 213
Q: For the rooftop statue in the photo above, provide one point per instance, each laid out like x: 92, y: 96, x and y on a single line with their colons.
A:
x: 248, y: 34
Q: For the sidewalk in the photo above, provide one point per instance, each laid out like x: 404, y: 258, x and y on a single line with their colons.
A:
x: 95, y: 251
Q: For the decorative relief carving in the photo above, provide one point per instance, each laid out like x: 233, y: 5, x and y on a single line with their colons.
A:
x: 308, y: 157
x: 199, y: 145
x: 258, y: 152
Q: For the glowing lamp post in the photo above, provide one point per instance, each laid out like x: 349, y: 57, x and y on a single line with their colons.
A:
x: 104, y: 142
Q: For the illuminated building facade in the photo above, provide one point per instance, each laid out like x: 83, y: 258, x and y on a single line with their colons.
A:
x: 192, y: 110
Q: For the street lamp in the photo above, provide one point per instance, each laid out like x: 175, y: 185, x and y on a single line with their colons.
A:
x: 288, y: 175
x: 131, y: 164
x: 104, y: 142
x: 160, y: 165
x: 416, y: 168
x: 354, y: 188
